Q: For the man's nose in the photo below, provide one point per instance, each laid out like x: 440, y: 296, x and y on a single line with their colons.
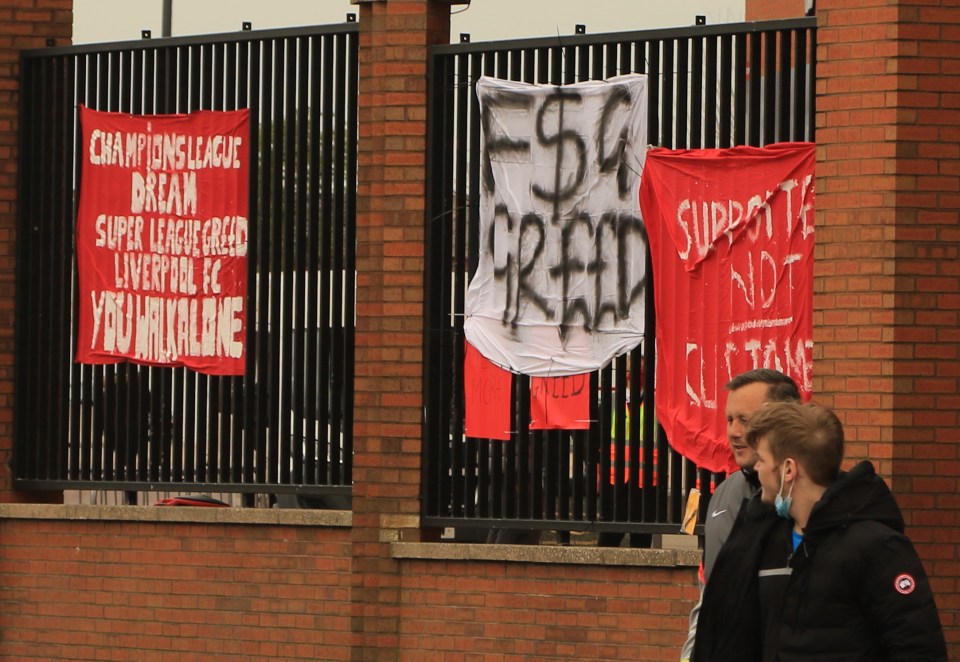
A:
x: 735, y: 430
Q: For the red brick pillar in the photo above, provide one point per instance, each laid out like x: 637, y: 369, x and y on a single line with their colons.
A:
x: 887, y: 271
x: 24, y: 24
x: 395, y: 36
x: 771, y: 10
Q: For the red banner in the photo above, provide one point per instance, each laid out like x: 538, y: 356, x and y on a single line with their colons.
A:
x: 162, y: 239
x: 731, y: 238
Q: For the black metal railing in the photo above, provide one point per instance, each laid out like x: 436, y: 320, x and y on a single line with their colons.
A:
x: 286, y: 425
x: 715, y: 86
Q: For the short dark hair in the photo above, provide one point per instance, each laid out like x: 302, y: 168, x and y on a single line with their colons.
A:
x: 780, y: 387
x: 811, y: 434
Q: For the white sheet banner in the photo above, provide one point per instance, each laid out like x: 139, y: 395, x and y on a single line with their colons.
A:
x: 561, y: 279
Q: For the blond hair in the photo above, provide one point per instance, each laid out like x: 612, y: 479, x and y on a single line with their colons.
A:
x: 810, y: 434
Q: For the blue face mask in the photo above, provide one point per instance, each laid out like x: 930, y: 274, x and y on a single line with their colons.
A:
x: 782, y: 503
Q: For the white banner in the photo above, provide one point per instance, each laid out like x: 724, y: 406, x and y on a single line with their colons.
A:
x: 561, y: 280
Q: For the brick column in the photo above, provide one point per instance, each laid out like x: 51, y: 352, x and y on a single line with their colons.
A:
x: 771, y: 10
x: 394, y: 39
x: 24, y: 24
x: 887, y: 274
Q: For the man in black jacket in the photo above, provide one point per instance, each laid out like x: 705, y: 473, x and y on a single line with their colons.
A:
x: 817, y: 566
x: 747, y: 392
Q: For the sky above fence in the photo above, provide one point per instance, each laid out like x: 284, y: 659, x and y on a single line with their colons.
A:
x: 120, y: 20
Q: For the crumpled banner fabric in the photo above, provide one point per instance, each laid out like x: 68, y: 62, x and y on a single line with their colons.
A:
x: 556, y: 403
x: 162, y: 240
x: 731, y: 239
x: 560, y: 283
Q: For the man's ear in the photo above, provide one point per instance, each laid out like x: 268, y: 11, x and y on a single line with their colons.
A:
x: 790, y: 469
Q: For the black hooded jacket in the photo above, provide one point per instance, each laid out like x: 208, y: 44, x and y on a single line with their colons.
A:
x: 853, y: 590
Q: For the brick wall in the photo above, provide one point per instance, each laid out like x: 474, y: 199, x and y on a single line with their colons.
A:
x: 887, y: 274
x: 772, y: 10
x: 769, y: 10
x: 122, y: 590
x: 515, y: 612
x: 23, y: 24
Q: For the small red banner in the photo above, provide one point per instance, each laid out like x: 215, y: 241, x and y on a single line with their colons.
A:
x: 486, y: 389
x: 560, y: 403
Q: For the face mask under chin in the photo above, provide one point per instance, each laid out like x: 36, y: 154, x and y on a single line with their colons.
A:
x: 782, y: 503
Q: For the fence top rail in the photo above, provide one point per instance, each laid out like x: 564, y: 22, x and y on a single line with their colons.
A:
x: 213, y: 39
x: 602, y: 38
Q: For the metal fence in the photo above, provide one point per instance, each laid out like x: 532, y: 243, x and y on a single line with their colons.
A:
x: 710, y: 86
x: 283, y: 428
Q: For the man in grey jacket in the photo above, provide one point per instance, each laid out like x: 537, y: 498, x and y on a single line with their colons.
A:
x: 747, y: 392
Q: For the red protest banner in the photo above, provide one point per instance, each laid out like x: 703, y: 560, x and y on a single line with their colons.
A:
x: 486, y: 389
x: 560, y: 403
x: 731, y: 239
x: 162, y: 239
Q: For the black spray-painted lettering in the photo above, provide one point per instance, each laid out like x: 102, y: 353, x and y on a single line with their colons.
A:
x: 527, y: 223
x: 559, y: 388
x: 616, y: 231
x: 614, y: 160
x: 498, y: 143
x: 504, y: 272
x: 561, y: 190
x: 628, y: 293
x: 577, y: 260
x: 574, y: 307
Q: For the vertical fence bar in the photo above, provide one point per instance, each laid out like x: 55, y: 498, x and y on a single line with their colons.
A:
x: 295, y: 119
x: 798, y: 125
x: 30, y: 169
x: 727, y: 103
x: 754, y: 118
x: 254, y: 409
x: 770, y: 86
x: 785, y: 89
x: 316, y: 397
x: 683, y: 113
x: 710, y: 88
x: 698, y: 109
x: 344, y: 467
x: 741, y: 89
x: 437, y: 494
